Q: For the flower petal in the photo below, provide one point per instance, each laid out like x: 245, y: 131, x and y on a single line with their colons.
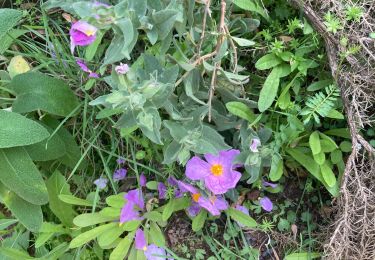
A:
x: 128, y: 213
x: 136, y: 197
x: 208, y: 205
x: 185, y: 187
x: 194, y: 209
x: 162, y: 189
x: 197, y: 169
x: 154, y: 252
x: 266, y: 204
x: 140, y: 240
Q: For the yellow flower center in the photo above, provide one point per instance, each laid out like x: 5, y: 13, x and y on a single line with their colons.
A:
x: 217, y: 169
x: 144, y: 248
x: 90, y: 32
x: 196, y: 197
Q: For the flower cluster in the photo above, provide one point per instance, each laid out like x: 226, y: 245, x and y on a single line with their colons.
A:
x: 83, y: 34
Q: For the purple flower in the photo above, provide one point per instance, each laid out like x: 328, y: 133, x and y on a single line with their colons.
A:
x: 128, y: 213
x: 162, y: 189
x: 120, y: 161
x: 185, y: 187
x: 172, y: 181
x: 82, y: 34
x: 122, y: 69
x: 142, y: 180
x: 244, y: 210
x: 154, y: 252
x: 134, y: 203
x: 266, y: 204
x: 269, y: 184
x: 214, y: 205
x: 254, y: 145
x: 119, y: 174
x: 136, y: 197
x: 194, y: 209
x: 217, y: 173
x: 101, y: 183
x: 84, y: 67
x: 140, y: 240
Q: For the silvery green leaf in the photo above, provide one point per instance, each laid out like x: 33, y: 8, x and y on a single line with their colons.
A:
x: 150, y: 122
x: 171, y: 153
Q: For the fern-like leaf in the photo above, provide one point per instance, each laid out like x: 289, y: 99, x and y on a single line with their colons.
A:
x: 320, y: 104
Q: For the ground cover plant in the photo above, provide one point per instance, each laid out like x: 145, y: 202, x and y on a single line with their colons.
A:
x: 169, y: 129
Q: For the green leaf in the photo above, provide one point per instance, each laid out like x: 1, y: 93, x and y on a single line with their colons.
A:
x: 243, y: 42
x: 333, y: 113
x: 277, y: 167
x: 28, y: 214
x: 70, y: 199
x: 13, y: 253
x: 199, y: 220
x: 116, y: 201
x: 153, y: 216
x: 307, y: 162
x: 253, y: 6
x: 320, y: 158
x: 17, y: 130
x: 268, y: 61
x: 156, y: 235
x: 90, y: 219
x: 328, y: 175
x: 47, y: 150
x: 311, y: 166
x: 327, y: 143
x: 56, y: 185
x: 241, y: 110
x: 109, y: 236
x: 87, y: 236
x: 73, y: 152
x: 9, y: 38
x: 122, y: 248
x: 340, y: 132
x: 241, y: 218
x: 38, y: 91
x: 8, y: 19
x: 91, y: 50
x: 314, y: 142
x: 346, y: 146
x: 20, y: 175
x: 4, y: 223
x: 269, y: 91
x: 303, y: 256
x: 271, y: 85
x: 168, y: 210
x: 336, y: 156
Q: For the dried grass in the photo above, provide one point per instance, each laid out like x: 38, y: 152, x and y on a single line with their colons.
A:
x: 353, y: 232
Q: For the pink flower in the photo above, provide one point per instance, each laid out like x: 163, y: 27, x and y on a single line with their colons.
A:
x: 134, y: 203
x: 214, y: 204
x: 122, y: 69
x: 217, y: 172
x: 82, y: 34
x: 254, y: 145
x: 84, y: 67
